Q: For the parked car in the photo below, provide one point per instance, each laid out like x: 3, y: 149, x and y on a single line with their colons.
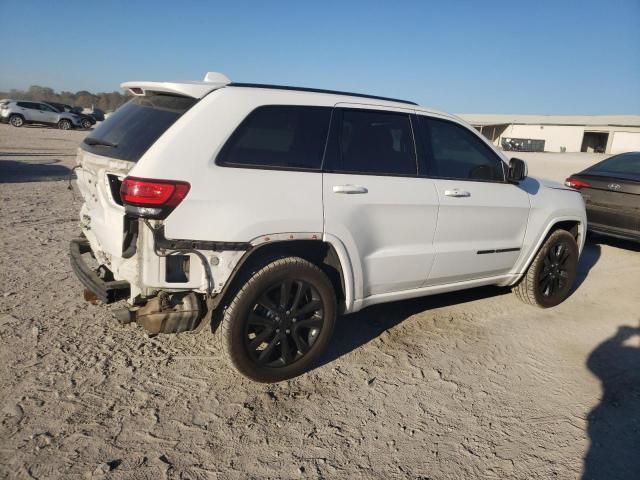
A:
x: 611, y: 191
x: 98, y: 114
x: 268, y: 210
x: 21, y: 112
x: 87, y: 121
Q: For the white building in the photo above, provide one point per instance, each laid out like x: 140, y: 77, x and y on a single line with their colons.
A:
x: 561, y: 133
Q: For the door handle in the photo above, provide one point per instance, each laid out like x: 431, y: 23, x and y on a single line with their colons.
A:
x: 349, y: 189
x: 457, y: 193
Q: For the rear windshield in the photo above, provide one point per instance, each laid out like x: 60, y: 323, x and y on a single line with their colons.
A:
x: 624, y: 163
x: 129, y: 132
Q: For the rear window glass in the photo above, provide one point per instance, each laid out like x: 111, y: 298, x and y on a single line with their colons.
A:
x: 280, y: 136
x: 129, y: 132
x: 374, y: 142
x: 624, y: 163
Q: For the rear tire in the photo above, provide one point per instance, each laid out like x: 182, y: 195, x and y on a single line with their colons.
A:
x: 86, y: 123
x: 280, y: 321
x: 64, y: 124
x: 551, y: 275
x: 16, y: 120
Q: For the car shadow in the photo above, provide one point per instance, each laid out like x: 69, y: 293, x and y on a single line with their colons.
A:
x: 590, y: 255
x: 36, y: 154
x: 614, y: 424
x: 353, y: 331
x: 55, y: 127
x: 12, y: 171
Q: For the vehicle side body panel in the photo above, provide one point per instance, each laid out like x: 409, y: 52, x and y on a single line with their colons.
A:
x: 402, y: 239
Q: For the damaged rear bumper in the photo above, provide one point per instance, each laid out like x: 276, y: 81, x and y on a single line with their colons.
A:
x: 105, y: 291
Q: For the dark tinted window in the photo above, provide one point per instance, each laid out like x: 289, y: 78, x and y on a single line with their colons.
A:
x: 279, y: 136
x: 129, y: 132
x: 623, y: 163
x: 458, y: 153
x: 30, y: 105
x: 374, y: 142
x: 58, y: 106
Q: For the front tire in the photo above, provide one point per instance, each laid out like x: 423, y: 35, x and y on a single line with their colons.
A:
x: 551, y: 275
x: 86, y: 124
x: 16, y: 120
x: 280, y: 321
x: 64, y: 124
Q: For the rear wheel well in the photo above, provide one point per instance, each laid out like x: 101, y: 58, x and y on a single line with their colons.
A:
x: 321, y: 254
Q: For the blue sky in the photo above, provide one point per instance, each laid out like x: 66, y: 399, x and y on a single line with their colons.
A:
x: 547, y: 57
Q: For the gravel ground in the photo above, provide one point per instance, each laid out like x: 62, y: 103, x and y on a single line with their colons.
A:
x: 465, y: 385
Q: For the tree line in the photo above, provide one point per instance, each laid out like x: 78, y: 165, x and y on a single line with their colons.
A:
x: 106, y: 101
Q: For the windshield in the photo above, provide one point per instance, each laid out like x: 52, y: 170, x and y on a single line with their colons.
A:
x: 623, y: 163
x: 129, y: 132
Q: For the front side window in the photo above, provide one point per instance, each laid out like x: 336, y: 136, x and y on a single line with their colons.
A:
x: 279, y: 136
x: 374, y: 142
x: 458, y: 153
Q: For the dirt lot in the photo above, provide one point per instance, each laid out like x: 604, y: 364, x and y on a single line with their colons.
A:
x: 465, y: 385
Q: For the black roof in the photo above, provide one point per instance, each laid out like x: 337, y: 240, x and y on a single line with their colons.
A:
x: 317, y: 90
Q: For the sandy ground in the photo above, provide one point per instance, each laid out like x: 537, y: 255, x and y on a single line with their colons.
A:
x: 465, y: 385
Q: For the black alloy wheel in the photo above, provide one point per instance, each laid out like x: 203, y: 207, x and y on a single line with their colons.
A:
x: 552, y: 273
x: 284, y: 323
x: 279, y: 321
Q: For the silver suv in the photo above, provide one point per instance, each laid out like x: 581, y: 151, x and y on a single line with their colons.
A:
x: 20, y: 112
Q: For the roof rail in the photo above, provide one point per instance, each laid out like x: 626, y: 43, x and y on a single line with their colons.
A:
x: 317, y: 90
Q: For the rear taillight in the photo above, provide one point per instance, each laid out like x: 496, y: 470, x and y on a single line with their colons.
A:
x: 576, y: 183
x: 143, y: 197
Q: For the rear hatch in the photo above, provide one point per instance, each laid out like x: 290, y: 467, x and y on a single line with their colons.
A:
x: 108, y: 154
x: 612, y: 201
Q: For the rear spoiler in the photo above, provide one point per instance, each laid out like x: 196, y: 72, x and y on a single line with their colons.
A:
x: 212, y: 81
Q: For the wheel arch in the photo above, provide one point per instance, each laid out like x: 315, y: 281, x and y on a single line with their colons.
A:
x: 24, y: 120
x: 574, y: 225
x: 328, y: 256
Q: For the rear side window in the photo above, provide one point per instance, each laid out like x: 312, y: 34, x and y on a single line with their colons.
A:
x: 624, y: 163
x: 373, y: 142
x: 129, y: 132
x: 30, y: 105
x: 280, y: 136
x: 458, y: 153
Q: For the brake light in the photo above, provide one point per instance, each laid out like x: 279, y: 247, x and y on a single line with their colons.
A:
x: 576, y: 183
x: 152, y: 198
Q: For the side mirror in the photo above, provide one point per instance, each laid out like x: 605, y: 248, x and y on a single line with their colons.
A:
x: 517, y: 170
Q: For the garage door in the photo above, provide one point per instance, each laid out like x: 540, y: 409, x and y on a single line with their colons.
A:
x: 625, y: 142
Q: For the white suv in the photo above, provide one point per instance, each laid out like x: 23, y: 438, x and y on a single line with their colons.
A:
x: 265, y: 211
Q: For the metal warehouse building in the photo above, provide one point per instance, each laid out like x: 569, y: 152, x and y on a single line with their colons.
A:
x: 560, y: 133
